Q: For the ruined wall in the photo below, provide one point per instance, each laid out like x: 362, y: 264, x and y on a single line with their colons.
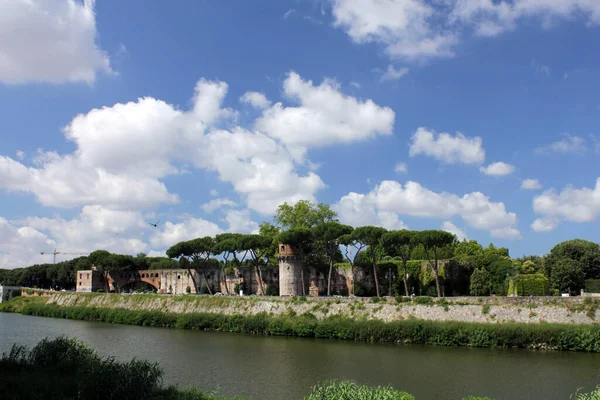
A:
x: 89, y: 281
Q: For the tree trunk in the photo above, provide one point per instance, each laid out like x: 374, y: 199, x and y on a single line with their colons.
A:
x: 302, y: 278
x: 207, y: 284
x: 375, y: 276
x: 390, y: 282
x: 329, y: 278
x: 259, y: 279
x: 405, y: 282
x: 225, y: 281
x: 436, y: 275
x: 354, y: 273
x: 193, y: 280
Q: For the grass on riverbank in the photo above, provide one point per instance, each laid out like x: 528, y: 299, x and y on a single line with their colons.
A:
x: 536, y: 336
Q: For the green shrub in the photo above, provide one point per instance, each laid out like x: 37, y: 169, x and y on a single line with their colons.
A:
x: 272, y: 290
x: 375, y: 299
x: 188, y: 289
x: 427, y: 300
x: 403, y: 299
x: 592, y: 286
x: 351, y: 391
x: 594, y: 395
x: 529, y: 285
x: 203, y: 289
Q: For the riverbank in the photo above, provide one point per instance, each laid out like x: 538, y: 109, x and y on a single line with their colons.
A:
x: 337, y: 326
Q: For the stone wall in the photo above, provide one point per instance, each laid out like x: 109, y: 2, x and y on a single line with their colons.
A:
x: 8, y: 292
x: 522, y: 310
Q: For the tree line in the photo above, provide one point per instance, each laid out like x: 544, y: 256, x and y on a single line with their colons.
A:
x: 409, y: 261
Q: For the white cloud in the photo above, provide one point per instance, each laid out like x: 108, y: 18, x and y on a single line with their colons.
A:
x: 188, y: 229
x: 404, y: 27
x: 355, y: 84
x: 448, y: 226
x: 506, y: 233
x: 49, y: 41
x: 240, y: 221
x: 255, y: 99
x: 325, y: 116
x: 571, y: 204
x: 531, y: 184
x: 20, y: 155
x: 498, y: 168
x: 414, y: 200
x: 216, y: 204
x: 414, y: 30
x: 213, y: 192
x: 393, y: 74
x: 491, y: 18
x: 544, y: 224
x: 570, y: 144
x: 447, y: 148
x: 21, y: 246
x: 124, y: 151
x: 401, y: 168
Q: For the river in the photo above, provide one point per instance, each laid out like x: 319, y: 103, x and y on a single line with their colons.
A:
x: 274, y: 368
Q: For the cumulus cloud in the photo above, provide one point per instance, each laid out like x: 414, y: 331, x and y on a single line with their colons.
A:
x: 50, y: 41
x: 401, y: 168
x: 414, y: 200
x: 404, y: 27
x: 544, y: 224
x: 570, y: 144
x: 531, y: 184
x: 447, y: 148
x: 448, y: 226
x: 571, y: 204
x: 416, y: 30
x: 216, y: 204
x: 324, y: 116
x: 123, y: 152
x: 393, y: 74
x: 498, y: 168
x: 240, y: 221
x: 255, y: 99
x: 188, y: 229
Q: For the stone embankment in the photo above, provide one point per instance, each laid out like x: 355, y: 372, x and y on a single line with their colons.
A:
x: 464, y: 309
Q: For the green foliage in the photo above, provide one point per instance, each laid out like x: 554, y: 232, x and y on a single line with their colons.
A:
x: 425, y: 300
x: 375, y: 299
x: 571, y: 262
x: 351, y: 391
x: 529, y: 285
x: 481, y: 282
x: 593, y: 395
x: 592, y: 285
x: 447, y: 333
x: 304, y: 215
x: 272, y: 290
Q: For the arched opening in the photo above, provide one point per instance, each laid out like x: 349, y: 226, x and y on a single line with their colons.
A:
x: 138, y: 287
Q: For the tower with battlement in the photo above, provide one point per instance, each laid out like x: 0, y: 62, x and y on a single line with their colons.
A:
x: 291, y: 266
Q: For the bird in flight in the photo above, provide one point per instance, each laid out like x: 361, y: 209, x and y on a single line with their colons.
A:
x: 154, y: 224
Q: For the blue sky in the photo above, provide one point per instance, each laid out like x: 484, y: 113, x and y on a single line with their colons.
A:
x: 475, y: 116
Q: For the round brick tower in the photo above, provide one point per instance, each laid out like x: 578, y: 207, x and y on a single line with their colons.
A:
x: 291, y: 265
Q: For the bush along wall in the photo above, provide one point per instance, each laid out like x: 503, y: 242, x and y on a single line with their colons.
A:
x: 443, y: 333
x: 529, y: 285
x: 592, y: 286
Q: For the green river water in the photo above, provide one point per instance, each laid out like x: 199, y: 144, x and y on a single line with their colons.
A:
x: 273, y: 368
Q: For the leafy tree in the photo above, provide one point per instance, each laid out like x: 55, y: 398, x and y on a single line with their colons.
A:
x: 227, y: 244
x: 370, y: 235
x: 304, y: 215
x: 271, y: 232
x: 567, y: 275
x: 327, y: 237
x: 433, y: 241
x: 257, y: 247
x: 196, y: 253
x: 586, y: 264
x: 400, y: 244
x: 481, y: 282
